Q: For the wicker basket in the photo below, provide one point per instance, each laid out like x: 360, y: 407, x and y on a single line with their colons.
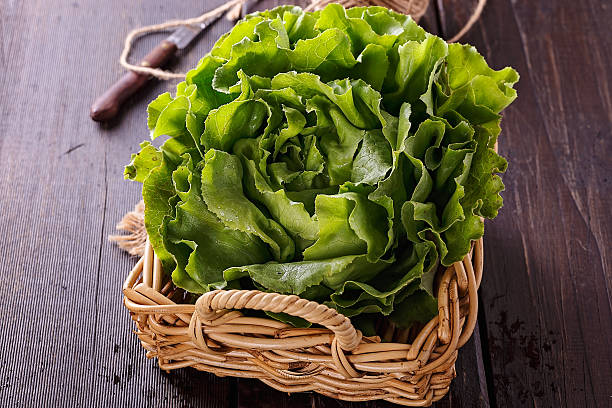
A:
x: 334, y: 360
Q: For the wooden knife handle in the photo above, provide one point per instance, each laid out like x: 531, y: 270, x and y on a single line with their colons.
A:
x: 106, y: 106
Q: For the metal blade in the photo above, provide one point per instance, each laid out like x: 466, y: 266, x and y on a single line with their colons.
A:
x: 185, y: 35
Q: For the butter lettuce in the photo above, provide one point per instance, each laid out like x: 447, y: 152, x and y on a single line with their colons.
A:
x: 340, y: 155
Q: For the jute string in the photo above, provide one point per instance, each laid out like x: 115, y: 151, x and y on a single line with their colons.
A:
x: 132, y: 223
x: 415, y: 8
x: 156, y: 72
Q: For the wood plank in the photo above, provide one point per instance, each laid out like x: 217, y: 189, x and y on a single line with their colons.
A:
x: 65, y: 334
x: 254, y: 393
x: 546, y: 291
x: 186, y: 387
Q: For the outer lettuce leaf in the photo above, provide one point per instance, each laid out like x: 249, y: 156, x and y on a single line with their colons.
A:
x: 417, y: 62
x: 157, y: 190
x: 297, y: 277
x: 324, y: 54
x: 213, y: 246
x: 143, y: 162
x: 223, y: 194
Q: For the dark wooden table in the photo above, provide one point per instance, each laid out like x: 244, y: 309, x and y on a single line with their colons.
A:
x: 545, y: 323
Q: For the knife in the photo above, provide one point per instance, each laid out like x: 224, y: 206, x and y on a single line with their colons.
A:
x: 106, y: 106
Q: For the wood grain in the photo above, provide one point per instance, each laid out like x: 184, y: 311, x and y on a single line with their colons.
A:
x: 546, y: 316
x: 66, y: 336
x: 546, y: 293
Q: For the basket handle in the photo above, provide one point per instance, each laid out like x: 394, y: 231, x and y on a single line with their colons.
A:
x: 208, y: 305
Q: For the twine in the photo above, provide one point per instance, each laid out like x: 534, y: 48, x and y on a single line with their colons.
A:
x: 415, y: 8
x: 132, y: 223
x: 472, y: 20
x: 160, y: 73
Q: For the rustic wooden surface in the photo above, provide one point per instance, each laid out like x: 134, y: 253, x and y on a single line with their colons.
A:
x: 546, y: 318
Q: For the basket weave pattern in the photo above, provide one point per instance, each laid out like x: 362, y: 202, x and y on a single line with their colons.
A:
x: 334, y: 360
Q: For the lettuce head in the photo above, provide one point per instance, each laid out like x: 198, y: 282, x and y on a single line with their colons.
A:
x: 339, y: 155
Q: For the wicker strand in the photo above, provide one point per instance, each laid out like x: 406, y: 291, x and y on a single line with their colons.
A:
x: 209, y: 304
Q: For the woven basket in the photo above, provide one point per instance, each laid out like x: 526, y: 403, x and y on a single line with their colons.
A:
x: 334, y: 360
